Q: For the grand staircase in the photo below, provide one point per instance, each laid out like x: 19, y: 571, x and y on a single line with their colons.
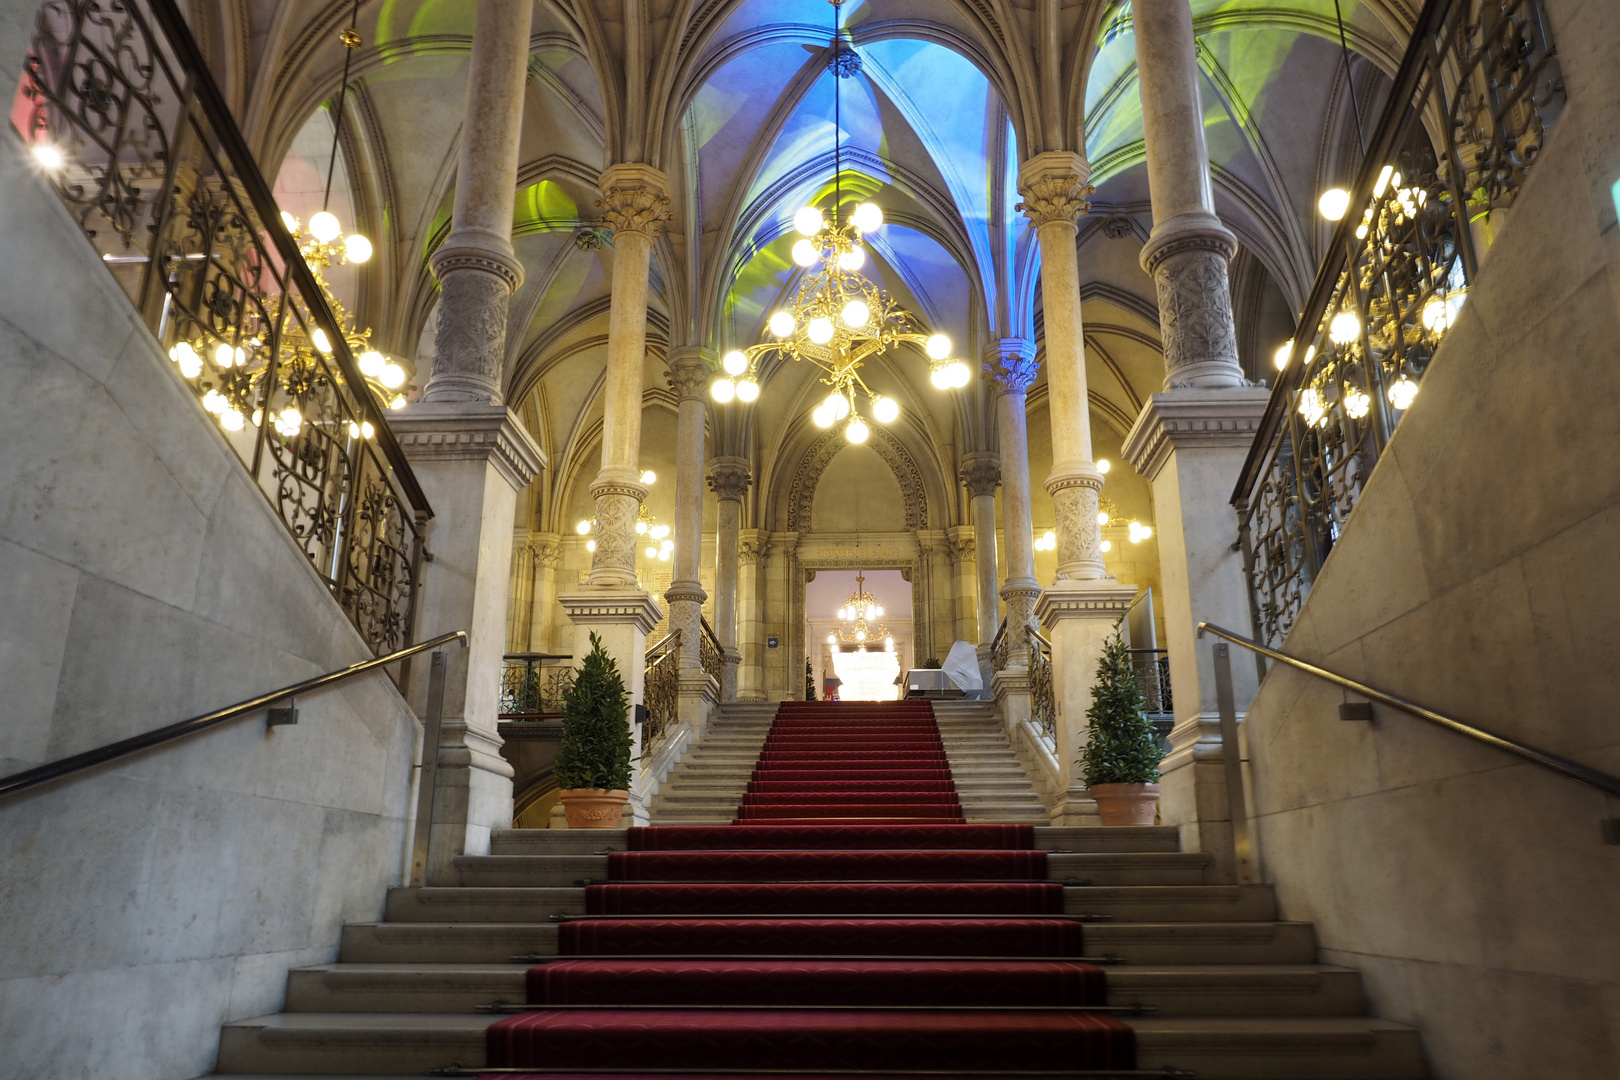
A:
x: 893, y: 940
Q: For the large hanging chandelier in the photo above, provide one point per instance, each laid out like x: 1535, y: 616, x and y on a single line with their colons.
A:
x: 837, y: 318
x: 858, y: 617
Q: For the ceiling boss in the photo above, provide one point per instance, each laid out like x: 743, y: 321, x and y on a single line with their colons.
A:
x: 837, y: 318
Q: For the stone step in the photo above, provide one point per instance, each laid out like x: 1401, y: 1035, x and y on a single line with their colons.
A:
x: 1110, y: 903
x: 1168, y: 990
x: 1132, y: 943
x: 1215, y: 1048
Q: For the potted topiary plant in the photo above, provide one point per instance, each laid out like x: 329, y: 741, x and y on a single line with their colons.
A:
x: 593, y: 761
x: 1120, y: 763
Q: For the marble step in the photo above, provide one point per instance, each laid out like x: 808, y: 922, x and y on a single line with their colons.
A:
x: 1167, y: 990
x: 1215, y: 1048
x: 1109, y: 903
x: 1132, y: 943
x: 1059, y: 839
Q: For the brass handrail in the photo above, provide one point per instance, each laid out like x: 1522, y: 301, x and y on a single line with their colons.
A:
x: 1602, y: 781
x: 89, y: 759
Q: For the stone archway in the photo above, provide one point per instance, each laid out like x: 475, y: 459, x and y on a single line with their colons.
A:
x: 807, y: 477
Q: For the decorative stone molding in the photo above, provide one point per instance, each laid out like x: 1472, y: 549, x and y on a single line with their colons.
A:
x: 689, y: 372
x: 548, y: 550
x: 1193, y: 418
x: 601, y: 606
x: 1184, y: 234
x: 1107, y: 600
x: 1054, y: 189
x: 981, y: 473
x: 635, y: 199
x: 750, y: 552
x: 618, y: 500
x: 802, y: 492
x: 458, y: 254
x: 469, y: 339
x: 729, y: 478
x: 1010, y: 364
x: 1118, y: 228
x: 1075, y: 492
x: 469, y: 431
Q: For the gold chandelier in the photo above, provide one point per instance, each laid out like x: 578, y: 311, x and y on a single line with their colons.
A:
x: 858, y: 614
x: 837, y: 318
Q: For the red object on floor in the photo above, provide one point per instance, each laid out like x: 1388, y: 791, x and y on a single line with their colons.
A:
x: 762, y: 947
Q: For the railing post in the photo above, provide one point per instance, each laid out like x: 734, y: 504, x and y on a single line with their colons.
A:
x: 1232, y: 761
x: 427, y: 781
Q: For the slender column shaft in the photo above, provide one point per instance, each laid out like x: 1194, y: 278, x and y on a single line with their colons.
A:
x: 636, y: 204
x: 689, y: 377
x: 476, y: 268
x: 981, y: 474
x: 1054, y: 191
x: 547, y: 557
x: 728, y: 477
x: 1012, y: 367
x: 1189, y: 248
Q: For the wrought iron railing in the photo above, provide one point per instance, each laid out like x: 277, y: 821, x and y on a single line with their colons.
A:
x: 1042, y: 698
x: 121, y: 108
x: 710, y: 655
x: 533, y: 685
x: 1153, y: 676
x: 1001, y: 648
x: 661, y: 692
x: 1474, y: 98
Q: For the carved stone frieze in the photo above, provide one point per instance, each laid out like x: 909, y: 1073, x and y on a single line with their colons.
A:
x: 1195, y: 316
x: 469, y: 338
x: 750, y: 552
x: 1079, y: 535
x: 802, y: 492
x: 614, y: 561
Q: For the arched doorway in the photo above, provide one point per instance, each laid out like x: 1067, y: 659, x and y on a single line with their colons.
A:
x: 858, y: 655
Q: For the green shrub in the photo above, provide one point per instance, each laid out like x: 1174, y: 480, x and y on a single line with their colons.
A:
x: 596, y: 739
x: 1121, y: 747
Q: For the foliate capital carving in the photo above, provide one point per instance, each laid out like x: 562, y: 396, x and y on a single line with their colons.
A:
x: 547, y: 550
x: 1054, y: 189
x: 729, y: 478
x: 689, y: 373
x: 635, y: 198
x: 981, y: 474
x: 1011, y: 365
x: 750, y: 552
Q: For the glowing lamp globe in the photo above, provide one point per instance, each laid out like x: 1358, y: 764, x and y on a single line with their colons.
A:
x: 823, y: 417
x: 937, y: 347
x: 393, y: 376
x: 1402, y: 393
x: 853, y: 259
x: 231, y: 420
x: 856, y: 314
x: 867, y: 217
x: 885, y: 410
x: 805, y: 253
x: 958, y: 375
x: 837, y: 406
x: 357, y: 249
x: 820, y: 330
x: 748, y: 390
x: 1103, y: 465
x: 857, y: 431
x: 735, y: 362
x: 324, y: 227
x: 47, y: 156
x: 723, y: 390
x: 372, y: 363
x: 583, y: 528
x: 289, y: 221
x: 1284, y: 352
x: 1333, y: 203
x: 782, y: 324
x: 940, y: 379
x: 808, y: 221
x: 1344, y: 328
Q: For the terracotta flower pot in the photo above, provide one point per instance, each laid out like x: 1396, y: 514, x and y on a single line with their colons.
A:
x: 593, y: 808
x: 1126, y: 804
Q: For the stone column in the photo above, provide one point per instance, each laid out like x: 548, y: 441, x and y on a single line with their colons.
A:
x: 1054, y: 190
x: 635, y: 202
x: 471, y: 461
x: 688, y: 376
x: 1011, y: 365
x: 981, y: 475
x: 729, y: 479
x: 753, y: 555
x: 548, y: 551
x: 1187, y: 253
x: 1190, y: 441
x: 476, y: 267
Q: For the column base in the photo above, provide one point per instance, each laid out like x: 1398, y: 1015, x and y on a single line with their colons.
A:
x: 1075, y: 808
x: 1192, y: 792
x: 621, y: 619
x: 472, y: 797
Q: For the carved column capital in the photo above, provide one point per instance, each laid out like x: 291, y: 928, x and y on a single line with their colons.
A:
x: 981, y: 473
x: 1010, y: 364
x: 635, y: 199
x: 1054, y: 189
x: 729, y: 478
x: 689, y: 371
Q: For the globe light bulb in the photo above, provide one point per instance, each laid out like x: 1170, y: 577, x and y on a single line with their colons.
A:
x: 393, y: 376
x: 1102, y: 517
x: 823, y: 417
x: 354, y: 430
x: 663, y: 556
x: 1147, y: 532
x: 868, y: 217
x: 852, y: 260
x: 782, y: 324
x: 372, y: 363
x: 837, y: 406
x: 939, y: 377
x: 857, y: 431
x: 398, y: 403
x: 888, y: 644
x: 583, y: 528
x: 319, y: 339
x: 1357, y: 404
x: 224, y: 356
x: 860, y: 635
x: 651, y: 553
x: 735, y: 362
x: 660, y: 531
x: 856, y: 314
x: 958, y: 374
x: 832, y: 639
x: 1402, y: 393
x: 937, y: 347
x: 214, y: 401
x: 723, y: 390
x: 748, y: 390
x: 808, y: 221
x: 231, y: 420
x: 590, y: 545
x: 1333, y: 203
x: 1049, y: 538
x: 649, y: 478
x: 1284, y: 353
x: 47, y: 156
x: 356, y: 249
x: 885, y: 410
x: 819, y: 330
x: 1344, y: 328
x: 805, y: 253
x: 641, y: 528
x: 1310, y: 405
x: 289, y: 221
x: 1103, y: 465
x: 324, y: 227
x: 1106, y: 546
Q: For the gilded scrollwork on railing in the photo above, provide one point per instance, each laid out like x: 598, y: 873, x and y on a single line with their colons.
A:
x: 710, y: 655
x: 1001, y: 648
x: 123, y: 116
x: 1394, y: 281
x: 661, y: 692
x: 1042, y: 698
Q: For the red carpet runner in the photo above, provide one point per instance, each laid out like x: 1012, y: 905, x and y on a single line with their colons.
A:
x: 849, y: 921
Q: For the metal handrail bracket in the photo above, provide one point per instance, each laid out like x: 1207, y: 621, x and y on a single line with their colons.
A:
x: 1593, y: 778
x: 89, y: 759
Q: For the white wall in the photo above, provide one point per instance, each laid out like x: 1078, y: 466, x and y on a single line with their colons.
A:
x: 1477, y: 576
x: 143, y: 579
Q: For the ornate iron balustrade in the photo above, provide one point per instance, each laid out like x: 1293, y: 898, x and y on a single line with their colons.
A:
x: 1042, y: 698
x: 1001, y: 648
x: 1475, y: 96
x: 661, y: 692
x: 1153, y: 676
x: 161, y: 181
x: 710, y: 655
x: 533, y: 685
